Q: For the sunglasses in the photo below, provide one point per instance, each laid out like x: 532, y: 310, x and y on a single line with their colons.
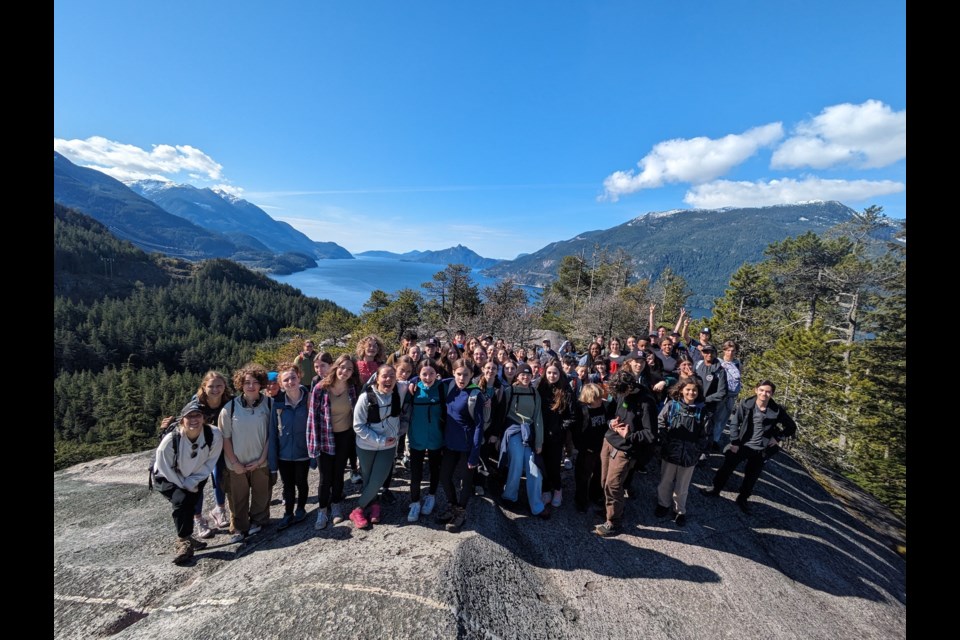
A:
x: 193, y: 447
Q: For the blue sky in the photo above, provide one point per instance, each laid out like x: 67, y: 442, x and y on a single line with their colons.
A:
x: 499, y: 125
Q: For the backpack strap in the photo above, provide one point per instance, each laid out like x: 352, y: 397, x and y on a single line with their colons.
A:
x: 373, y: 406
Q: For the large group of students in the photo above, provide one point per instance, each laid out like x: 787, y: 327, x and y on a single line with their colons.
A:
x: 472, y: 416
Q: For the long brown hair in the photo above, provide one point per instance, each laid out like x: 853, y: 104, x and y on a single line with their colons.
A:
x: 331, y: 377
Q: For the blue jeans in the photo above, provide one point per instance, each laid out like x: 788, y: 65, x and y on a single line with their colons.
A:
x: 724, y: 409
x: 520, y: 459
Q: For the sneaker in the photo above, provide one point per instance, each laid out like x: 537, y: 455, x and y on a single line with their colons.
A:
x: 322, y: 519
x: 414, y: 514
x: 459, y: 516
x: 375, y: 513
x: 336, y: 513
x: 711, y: 492
x: 546, y: 497
x: 254, y: 528
x: 447, y: 515
x: 197, y: 544
x: 606, y: 529
x: 356, y: 478
x: 557, y: 498
x: 387, y: 497
x: 681, y: 519
x: 200, y: 528
x: 661, y: 511
x: 479, y: 491
x: 236, y: 537
x: 300, y: 515
x: 219, y: 517
x: 182, y: 551
x: 285, y: 522
x: 358, y: 519
x: 567, y: 463
x: 428, y: 504
x: 405, y: 461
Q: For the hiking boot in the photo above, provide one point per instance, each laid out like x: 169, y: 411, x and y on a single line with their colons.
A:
x: 661, y: 511
x: 711, y: 492
x: 428, y: 504
x: 459, y: 516
x: 300, y: 515
x: 285, y: 522
x: 414, y: 514
x: 557, y: 498
x: 358, y: 519
x: 322, y: 519
x: 387, y: 497
x: 375, y: 513
x: 182, y: 551
x: 219, y: 517
x: 254, y: 528
x: 607, y: 529
x: 336, y: 513
x: 680, y: 520
x: 197, y: 544
x: 200, y: 528
x: 447, y: 514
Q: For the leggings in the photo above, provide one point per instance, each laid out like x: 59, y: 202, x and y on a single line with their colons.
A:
x: 374, y: 466
x: 416, y: 471
x: 293, y: 474
x: 332, y: 467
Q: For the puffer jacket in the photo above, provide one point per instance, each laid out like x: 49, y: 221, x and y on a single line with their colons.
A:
x: 683, y: 432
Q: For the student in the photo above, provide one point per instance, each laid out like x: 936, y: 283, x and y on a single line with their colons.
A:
x: 288, y: 443
x: 629, y: 439
x: 321, y: 365
x: 180, y: 473
x: 588, y: 431
x: 684, y: 432
x: 559, y: 409
x: 378, y: 421
x: 330, y: 436
x: 246, y: 424
x: 755, y: 434
x: 425, y: 437
x: 462, y: 437
x: 522, y: 442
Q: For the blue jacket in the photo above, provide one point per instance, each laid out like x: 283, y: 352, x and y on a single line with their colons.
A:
x: 464, y: 432
x: 288, y: 441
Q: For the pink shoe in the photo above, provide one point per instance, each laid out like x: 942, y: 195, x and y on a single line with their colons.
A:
x: 358, y: 519
x: 375, y: 513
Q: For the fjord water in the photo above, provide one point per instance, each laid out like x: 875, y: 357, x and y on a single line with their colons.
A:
x: 350, y: 282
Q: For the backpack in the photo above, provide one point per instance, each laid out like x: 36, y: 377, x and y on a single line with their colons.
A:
x: 373, y: 405
x: 418, y: 401
x: 471, y: 401
x: 174, y: 428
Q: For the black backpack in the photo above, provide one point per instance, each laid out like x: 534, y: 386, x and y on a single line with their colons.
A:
x: 174, y: 428
x: 373, y: 405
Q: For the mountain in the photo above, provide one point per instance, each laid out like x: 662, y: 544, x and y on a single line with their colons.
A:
x: 705, y: 246
x: 217, y: 210
x: 452, y: 255
x: 132, y: 217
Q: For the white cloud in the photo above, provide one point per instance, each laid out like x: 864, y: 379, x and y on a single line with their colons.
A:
x: 695, y: 160
x: 726, y: 193
x: 866, y: 136
x: 128, y: 162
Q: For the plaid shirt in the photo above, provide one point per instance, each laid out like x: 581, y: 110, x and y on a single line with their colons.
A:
x: 320, y: 432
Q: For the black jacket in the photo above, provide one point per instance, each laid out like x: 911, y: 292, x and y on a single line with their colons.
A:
x: 777, y: 423
x: 684, y: 432
x: 639, y: 411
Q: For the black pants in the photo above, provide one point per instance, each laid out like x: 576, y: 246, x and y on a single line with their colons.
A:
x: 586, y: 473
x: 332, y: 467
x: 751, y: 472
x: 454, y: 473
x: 184, y: 503
x: 293, y: 474
x: 552, y: 456
x: 416, y: 471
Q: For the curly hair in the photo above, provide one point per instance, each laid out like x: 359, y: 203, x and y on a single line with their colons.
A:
x: 257, y: 371
x: 381, y: 356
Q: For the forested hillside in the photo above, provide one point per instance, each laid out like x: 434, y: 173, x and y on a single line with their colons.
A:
x: 133, y: 333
